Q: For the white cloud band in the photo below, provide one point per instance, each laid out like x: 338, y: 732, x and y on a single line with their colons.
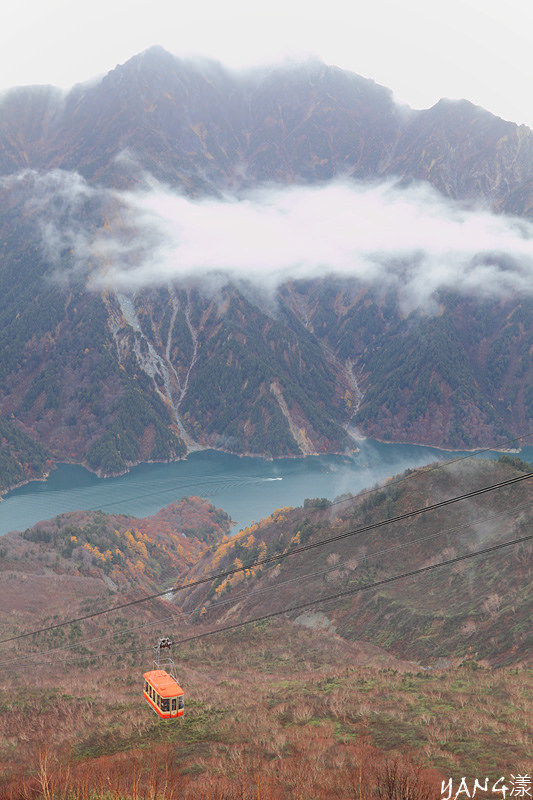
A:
x: 409, y: 237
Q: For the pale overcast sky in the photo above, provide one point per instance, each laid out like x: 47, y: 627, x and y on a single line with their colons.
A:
x: 421, y: 49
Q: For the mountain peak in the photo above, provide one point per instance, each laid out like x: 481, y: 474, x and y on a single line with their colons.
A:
x: 154, y: 59
x: 151, y: 56
x: 461, y: 108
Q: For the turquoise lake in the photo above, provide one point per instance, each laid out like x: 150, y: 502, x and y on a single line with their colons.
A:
x: 247, y: 488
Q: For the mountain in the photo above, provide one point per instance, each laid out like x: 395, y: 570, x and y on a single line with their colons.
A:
x: 112, y: 377
x: 201, y: 127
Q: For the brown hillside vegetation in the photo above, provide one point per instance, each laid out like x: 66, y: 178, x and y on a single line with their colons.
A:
x: 479, y: 608
x: 272, y: 711
x: 66, y: 565
x: 381, y: 694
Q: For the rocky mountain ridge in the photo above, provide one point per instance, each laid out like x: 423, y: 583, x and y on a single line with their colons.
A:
x: 201, y: 127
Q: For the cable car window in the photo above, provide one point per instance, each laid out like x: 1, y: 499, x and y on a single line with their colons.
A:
x: 180, y: 701
x: 146, y: 687
x: 174, y: 701
x: 165, y: 704
x: 159, y: 701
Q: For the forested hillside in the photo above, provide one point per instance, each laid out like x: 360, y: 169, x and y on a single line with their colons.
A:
x: 78, y: 562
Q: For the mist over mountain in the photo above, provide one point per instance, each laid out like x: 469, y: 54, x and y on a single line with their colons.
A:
x: 198, y: 126
x: 269, y: 262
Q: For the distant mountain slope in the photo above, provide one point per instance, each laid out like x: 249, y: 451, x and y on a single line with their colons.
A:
x: 466, y: 152
x: 21, y: 458
x: 478, y: 608
x: 71, y: 560
x: 201, y: 127
x: 463, y: 375
x: 111, y: 379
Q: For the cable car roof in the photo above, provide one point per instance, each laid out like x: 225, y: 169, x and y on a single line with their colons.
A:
x: 163, y: 683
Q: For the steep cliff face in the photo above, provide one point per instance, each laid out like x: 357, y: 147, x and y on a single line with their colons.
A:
x: 61, y: 379
x: 113, y: 377
x: 145, y: 377
x: 460, y: 376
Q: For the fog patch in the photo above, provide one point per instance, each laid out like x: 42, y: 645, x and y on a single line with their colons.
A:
x: 409, y: 238
x: 383, y: 234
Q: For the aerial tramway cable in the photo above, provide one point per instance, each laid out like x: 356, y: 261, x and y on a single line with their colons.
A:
x: 263, y: 590
x: 246, y: 595
x: 423, y: 470
x: 32, y: 657
x: 280, y: 556
x: 356, y: 590
x: 309, y: 603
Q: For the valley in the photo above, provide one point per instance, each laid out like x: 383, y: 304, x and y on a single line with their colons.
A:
x: 254, y: 325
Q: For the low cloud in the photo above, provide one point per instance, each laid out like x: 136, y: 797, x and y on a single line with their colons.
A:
x: 383, y: 233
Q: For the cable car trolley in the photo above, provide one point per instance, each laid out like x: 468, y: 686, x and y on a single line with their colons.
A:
x: 161, y: 689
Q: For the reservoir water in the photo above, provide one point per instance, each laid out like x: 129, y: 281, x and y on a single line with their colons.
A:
x: 247, y: 488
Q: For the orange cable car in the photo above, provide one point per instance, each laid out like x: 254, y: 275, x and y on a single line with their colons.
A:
x: 163, y: 693
x: 161, y: 689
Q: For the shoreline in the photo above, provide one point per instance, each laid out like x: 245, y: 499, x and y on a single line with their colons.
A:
x: 133, y: 464
x: 488, y: 449
x: 43, y: 478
